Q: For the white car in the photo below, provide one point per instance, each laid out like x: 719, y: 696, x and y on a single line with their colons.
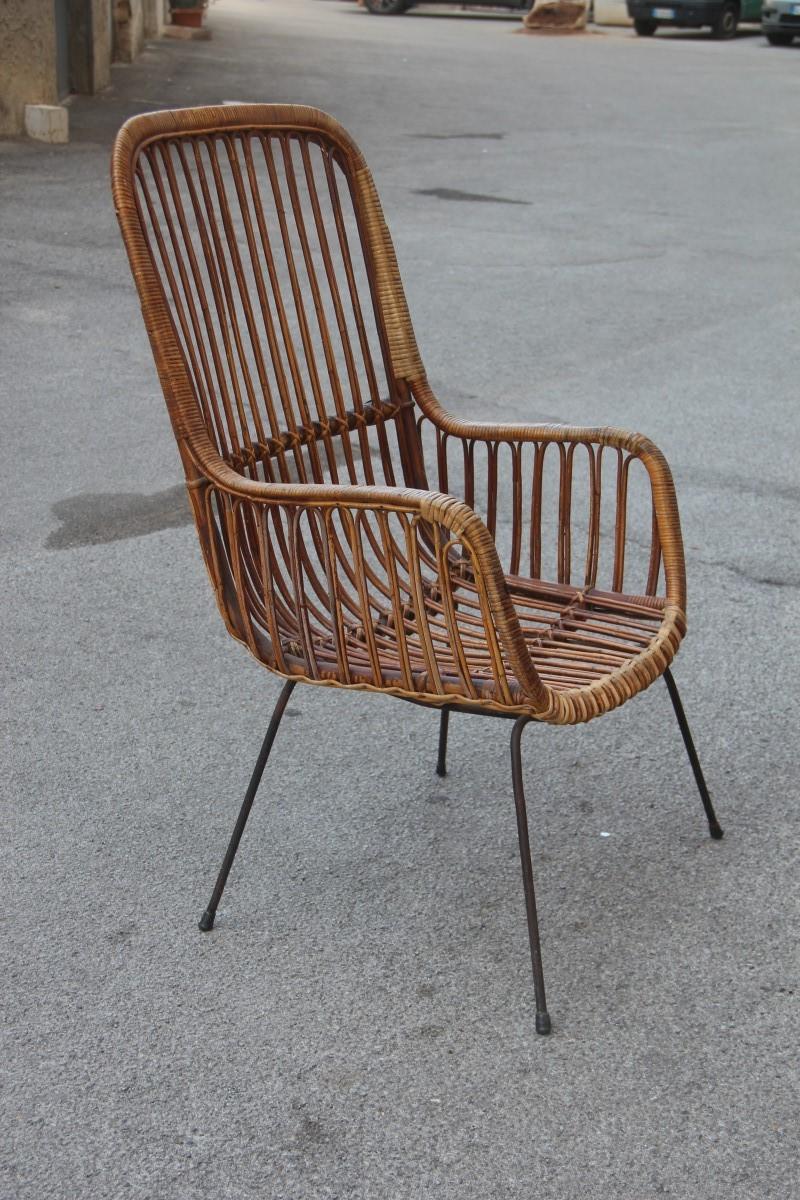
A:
x: 780, y: 20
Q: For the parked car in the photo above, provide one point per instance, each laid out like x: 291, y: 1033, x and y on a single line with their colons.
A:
x: 386, y: 8
x: 723, y: 16
x: 780, y: 20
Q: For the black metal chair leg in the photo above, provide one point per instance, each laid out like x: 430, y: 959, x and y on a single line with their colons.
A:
x: 207, y: 920
x: 542, y: 1016
x: 441, y: 762
x: 714, y: 827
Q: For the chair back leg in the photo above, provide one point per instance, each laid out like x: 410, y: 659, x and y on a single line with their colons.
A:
x: 542, y: 1016
x: 444, y: 722
x: 714, y: 827
x: 206, y: 922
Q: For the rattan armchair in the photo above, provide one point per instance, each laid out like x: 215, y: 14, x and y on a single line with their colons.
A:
x: 357, y: 535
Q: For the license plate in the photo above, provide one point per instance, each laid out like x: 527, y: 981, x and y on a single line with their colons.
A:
x: 668, y: 14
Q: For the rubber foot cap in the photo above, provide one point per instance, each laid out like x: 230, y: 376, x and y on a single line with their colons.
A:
x: 441, y: 772
x: 543, y: 1022
x: 717, y: 832
x: 206, y: 922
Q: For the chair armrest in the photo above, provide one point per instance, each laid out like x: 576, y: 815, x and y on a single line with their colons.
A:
x: 330, y: 581
x: 666, y: 543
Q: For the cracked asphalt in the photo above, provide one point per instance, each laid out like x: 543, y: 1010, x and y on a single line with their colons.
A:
x: 359, y: 1025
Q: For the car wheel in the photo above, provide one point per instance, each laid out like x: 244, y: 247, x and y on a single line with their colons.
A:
x: 779, y: 39
x: 387, y: 8
x: 727, y: 21
x: 645, y: 28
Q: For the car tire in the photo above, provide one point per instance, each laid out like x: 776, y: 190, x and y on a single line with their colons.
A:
x: 780, y: 39
x: 387, y: 8
x: 726, y: 22
x: 645, y: 28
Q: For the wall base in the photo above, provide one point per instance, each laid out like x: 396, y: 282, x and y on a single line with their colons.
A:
x: 186, y: 34
x: 47, y: 123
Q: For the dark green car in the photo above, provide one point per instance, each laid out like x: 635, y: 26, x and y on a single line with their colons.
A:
x: 392, y: 8
x: 722, y: 16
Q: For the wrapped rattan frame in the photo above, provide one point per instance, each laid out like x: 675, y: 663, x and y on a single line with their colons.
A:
x: 237, y: 515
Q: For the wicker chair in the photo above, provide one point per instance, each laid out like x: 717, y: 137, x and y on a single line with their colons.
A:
x: 356, y: 534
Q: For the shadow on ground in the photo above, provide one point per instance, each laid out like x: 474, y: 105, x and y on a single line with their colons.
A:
x: 96, y: 518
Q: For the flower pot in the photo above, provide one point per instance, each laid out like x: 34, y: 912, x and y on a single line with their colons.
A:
x: 191, y: 18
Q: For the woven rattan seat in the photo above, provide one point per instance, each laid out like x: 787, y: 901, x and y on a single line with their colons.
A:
x: 356, y: 534
x: 576, y: 638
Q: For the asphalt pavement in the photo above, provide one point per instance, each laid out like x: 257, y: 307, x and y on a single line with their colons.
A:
x: 597, y: 229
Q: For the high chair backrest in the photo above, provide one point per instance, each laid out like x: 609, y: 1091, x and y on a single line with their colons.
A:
x: 270, y: 292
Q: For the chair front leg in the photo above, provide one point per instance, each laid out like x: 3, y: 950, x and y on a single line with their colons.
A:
x: 542, y: 1016
x: 206, y: 922
x: 714, y: 827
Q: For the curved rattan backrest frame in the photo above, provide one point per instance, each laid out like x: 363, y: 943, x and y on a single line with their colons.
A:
x: 268, y: 367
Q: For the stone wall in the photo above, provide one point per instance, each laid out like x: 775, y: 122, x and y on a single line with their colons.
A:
x: 27, y: 60
x: 28, y: 48
x: 154, y: 17
x: 89, y: 45
x: 128, y: 29
x: 101, y: 44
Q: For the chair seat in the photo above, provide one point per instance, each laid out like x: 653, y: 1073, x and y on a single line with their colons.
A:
x: 576, y: 637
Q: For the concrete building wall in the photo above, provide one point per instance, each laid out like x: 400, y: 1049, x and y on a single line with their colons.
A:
x: 27, y: 59
x: 89, y: 45
x: 96, y: 30
x: 101, y: 44
x: 128, y: 29
x: 154, y: 17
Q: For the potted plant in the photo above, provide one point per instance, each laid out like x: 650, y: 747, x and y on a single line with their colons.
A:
x: 187, y: 12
